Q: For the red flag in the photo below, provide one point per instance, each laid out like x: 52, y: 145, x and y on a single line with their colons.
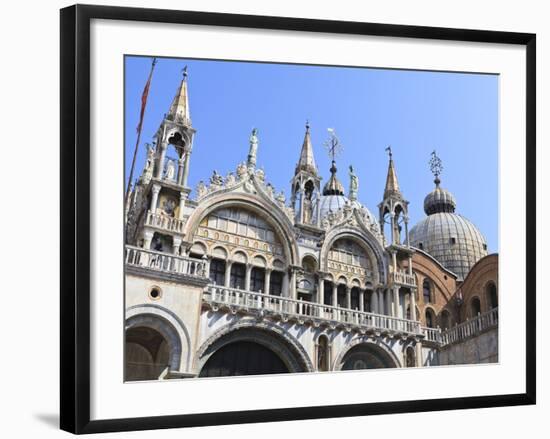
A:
x: 144, y: 96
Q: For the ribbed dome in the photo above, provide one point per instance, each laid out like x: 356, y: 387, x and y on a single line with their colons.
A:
x: 451, y: 239
x: 333, y: 185
x: 439, y: 200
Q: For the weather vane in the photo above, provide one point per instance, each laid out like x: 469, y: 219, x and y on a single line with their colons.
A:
x: 333, y: 145
x: 184, y: 71
x: 436, y: 166
x: 388, y: 150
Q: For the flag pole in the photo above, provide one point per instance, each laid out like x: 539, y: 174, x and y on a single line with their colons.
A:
x: 143, y: 105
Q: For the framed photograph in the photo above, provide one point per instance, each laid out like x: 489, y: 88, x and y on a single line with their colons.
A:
x: 340, y: 214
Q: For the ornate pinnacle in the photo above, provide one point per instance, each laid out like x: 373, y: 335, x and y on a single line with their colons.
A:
x: 436, y: 166
x: 333, y: 145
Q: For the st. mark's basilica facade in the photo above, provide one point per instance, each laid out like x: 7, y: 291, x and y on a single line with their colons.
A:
x: 234, y: 279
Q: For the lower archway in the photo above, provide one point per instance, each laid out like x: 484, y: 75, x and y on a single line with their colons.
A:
x: 251, y: 349
x: 243, y: 358
x: 366, y: 356
x: 147, y: 354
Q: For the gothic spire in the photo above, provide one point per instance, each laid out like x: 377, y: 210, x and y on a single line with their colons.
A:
x: 179, y: 109
x: 307, y: 160
x: 392, y: 186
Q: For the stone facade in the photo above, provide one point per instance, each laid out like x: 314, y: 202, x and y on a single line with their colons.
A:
x: 234, y: 279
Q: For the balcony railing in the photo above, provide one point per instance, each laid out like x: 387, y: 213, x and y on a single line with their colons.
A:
x: 464, y: 330
x: 139, y: 257
x: 248, y: 300
x: 404, y: 278
x: 164, y: 222
x: 472, y: 327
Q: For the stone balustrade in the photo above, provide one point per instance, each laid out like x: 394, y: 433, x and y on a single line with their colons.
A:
x: 166, y: 263
x: 404, y: 278
x: 464, y: 330
x: 217, y: 296
x: 164, y: 222
x: 471, y: 328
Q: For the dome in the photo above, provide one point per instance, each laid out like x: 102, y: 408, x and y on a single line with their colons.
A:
x: 439, y: 200
x: 451, y: 239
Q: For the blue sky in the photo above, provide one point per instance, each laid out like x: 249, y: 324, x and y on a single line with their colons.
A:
x: 413, y: 111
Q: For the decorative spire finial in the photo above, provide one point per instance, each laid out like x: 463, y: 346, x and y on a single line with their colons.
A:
x: 184, y: 71
x: 436, y: 166
x: 388, y: 150
x: 333, y: 145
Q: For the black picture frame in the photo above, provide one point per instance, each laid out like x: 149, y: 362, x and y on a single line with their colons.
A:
x: 75, y: 217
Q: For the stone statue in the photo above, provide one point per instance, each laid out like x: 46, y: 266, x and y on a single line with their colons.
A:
x: 170, y: 170
x: 216, y: 179
x: 241, y: 171
x: 201, y: 189
x: 260, y: 175
x: 269, y: 189
x: 253, y: 148
x: 353, y: 184
x: 230, y: 180
x: 281, y: 198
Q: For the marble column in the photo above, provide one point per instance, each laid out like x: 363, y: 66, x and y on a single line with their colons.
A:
x: 160, y: 163
x: 183, y: 197
x: 228, y: 265
x: 176, y: 242
x: 361, y: 300
x: 321, y: 291
x: 267, y: 281
x: 396, y: 305
x: 387, y: 298
x: 180, y: 169
x: 413, y: 304
x: 247, y: 277
x: 154, y: 198
x: 147, y: 239
x: 334, y: 295
x: 185, y: 174
x: 374, y: 302
x: 293, y: 283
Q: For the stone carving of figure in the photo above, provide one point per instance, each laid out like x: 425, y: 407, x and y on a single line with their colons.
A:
x: 149, y: 163
x: 269, y: 189
x: 201, y: 189
x: 253, y: 147
x: 216, y: 179
x: 260, y: 175
x: 353, y: 184
x: 170, y: 170
x: 281, y: 198
x: 241, y: 171
x: 230, y: 180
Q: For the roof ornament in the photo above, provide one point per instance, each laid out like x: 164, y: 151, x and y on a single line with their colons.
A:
x: 388, y: 150
x: 353, y: 184
x: 184, y: 71
x: 253, y: 140
x: 436, y: 166
x: 334, y: 147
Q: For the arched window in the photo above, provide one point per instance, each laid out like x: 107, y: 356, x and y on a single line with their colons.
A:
x: 217, y: 271
x: 475, y: 307
x: 322, y: 354
x: 427, y: 291
x: 257, y: 279
x: 492, y: 296
x: 238, y: 275
x: 276, y: 283
x: 430, y: 321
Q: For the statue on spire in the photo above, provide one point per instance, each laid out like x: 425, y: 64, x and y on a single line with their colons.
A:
x: 253, y: 148
x: 436, y: 166
x: 353, y: 184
